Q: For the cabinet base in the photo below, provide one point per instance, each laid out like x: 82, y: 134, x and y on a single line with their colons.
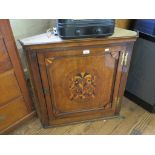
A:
x: 84, y: 121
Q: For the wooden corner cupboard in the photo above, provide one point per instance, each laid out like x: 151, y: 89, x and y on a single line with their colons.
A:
x: 78, y: 79
x: 15, y: 101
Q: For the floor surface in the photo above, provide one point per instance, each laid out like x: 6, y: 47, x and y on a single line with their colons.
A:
x: 134, y: 121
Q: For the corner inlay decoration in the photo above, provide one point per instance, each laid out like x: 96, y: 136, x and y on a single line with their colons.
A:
x: 82, y: 86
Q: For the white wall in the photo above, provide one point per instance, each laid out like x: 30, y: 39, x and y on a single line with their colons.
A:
x: 28, y: 27
x: 23, y: 28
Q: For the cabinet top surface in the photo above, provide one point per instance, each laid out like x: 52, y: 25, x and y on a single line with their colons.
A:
x: 49, y: 39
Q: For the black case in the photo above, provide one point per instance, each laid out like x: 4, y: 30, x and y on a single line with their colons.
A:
x: 85, y: 28
x: 140, y: 85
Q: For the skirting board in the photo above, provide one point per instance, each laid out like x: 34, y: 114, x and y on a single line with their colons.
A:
x: 140, y: 102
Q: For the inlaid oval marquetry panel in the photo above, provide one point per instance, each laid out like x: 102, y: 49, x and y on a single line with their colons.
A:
x: 81, y: 86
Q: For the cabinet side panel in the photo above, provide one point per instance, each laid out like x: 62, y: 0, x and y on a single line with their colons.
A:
x: 36, y: 84
x: 125, y: 69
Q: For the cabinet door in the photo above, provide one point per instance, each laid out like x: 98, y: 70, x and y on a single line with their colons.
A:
x: 80, y: 81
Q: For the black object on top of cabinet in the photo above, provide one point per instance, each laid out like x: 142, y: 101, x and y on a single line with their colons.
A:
x: 85, y: 28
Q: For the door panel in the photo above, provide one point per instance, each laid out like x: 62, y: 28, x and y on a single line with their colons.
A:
x: 8, y: 87
x: 12, y: 112
x: 5, y: 62
x: 82, y: 83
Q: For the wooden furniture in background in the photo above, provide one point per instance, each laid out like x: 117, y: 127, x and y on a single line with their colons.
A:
x: 123, y: 23
x: 15, y: 101
x: 78, y: 79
